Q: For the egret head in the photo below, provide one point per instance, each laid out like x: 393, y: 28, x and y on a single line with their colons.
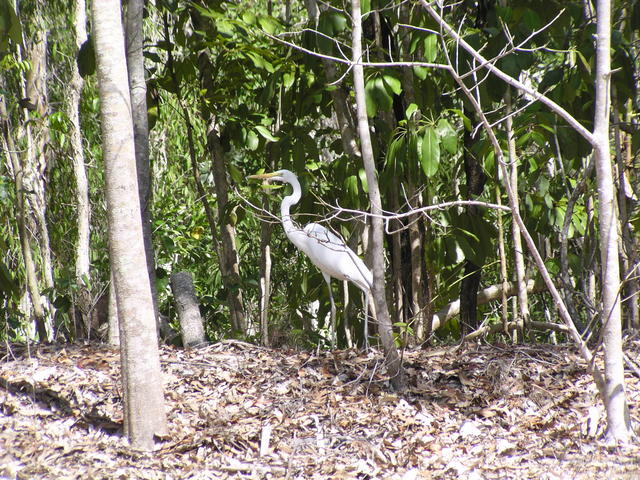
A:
x: 279, y: 176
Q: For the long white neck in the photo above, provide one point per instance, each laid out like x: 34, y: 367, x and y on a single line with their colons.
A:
x: 287, y: 202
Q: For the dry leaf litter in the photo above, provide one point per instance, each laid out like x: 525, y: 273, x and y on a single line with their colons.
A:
x: 241, y: 411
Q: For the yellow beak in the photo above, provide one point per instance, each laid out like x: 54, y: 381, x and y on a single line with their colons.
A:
x: 262, y: 176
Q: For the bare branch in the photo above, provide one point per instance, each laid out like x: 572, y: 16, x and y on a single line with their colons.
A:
x: 532, y: 92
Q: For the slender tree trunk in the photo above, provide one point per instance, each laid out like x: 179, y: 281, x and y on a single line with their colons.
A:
x: 230, y: 261
x: 8, y: 145
x: 36, y: 166
x: 518, y: 252
x: 629, y: 258
x: 396, y: 261
x: 83, y: 274
x: 266, y: 229
x: 339, y: 97
x: 385, y: 330
x: 113, y: 335
x: 145, y: 415
x: 618, y: 421
x: 470, y: 283
x: 504, y: 302
x: 188, y: 309
x: 138, y: 88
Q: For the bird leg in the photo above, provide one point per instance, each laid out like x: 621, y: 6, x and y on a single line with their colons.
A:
x: 334, y: 332
x: 369, y: 305
x: 345, y: 316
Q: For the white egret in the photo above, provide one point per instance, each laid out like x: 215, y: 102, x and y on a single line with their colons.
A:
x: 326, y: 250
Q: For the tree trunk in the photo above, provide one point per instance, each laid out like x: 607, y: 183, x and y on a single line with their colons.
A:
x: 230, y: 262
x: 618, y: 421
x: 385, y: 329
x: 188, y: 310
x: 518, y: 252
x: 486, y: 295
x: 138, y: 89
x: 83, y: 264
x: 266, y: 229
x: 145, y: 415
x: 113, y: 336
x: 629, y: 258
x: 8, y: 145
x: 34, y: 165
x: 475, y: 178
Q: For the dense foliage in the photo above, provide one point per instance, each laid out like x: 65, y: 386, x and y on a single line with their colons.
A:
x: 256, y: 73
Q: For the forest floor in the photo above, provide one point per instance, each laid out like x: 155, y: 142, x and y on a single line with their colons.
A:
x: 241, y: 411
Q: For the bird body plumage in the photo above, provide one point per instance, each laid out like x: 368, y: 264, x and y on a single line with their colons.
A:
x: 324, y: 248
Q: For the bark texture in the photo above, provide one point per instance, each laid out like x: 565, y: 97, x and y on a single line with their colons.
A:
x: 33, y: 289
x: 230, y: 261
x: 470, y: 283
x: 138, y: 91
x: 385, y: 330
x: 145, y: 415
x: 83, y: 274
x: 518, y: 252
x: 188, y: 309
x: 618, y: 421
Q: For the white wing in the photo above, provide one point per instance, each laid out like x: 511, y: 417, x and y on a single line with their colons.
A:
x: 331, y: 255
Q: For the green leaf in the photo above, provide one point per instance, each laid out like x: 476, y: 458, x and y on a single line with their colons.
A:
x: 351, y: 188
x: 430, y: 157
x: 363, y: 179
x: 372, y: 108
x: 392, y: 151
x: 252, y: 140
x: 463, y: 117
x: 288, y: 79
x: 10, y: 28
x: 8, y: 284
x: 381, y: 96
x: 269, y: 24
x: 236, y: 175
x: 411, y: 109
x: 392, y: 83
x: 249, y: 17
x: 266, y: 134
x: 420, y: 72
x: 431, y: 47
x: 448, y: 136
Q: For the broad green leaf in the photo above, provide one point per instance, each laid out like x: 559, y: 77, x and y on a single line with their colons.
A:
x: 381, y: 96
x: 463, y: 117
x: 252, y: 140
x: 288, y: 79
x: 431, y: 47
x: 249, y: 17
x: 392, y: 151
x: 430, y: 152
x: 392, y: 83
x: 266, y: 134
x: 363, y: 179
x: 420, y: 72
x: 236, y: 175
x: 269, y: 24
x: 10, y: 28
x: 351, y: 188
x: 372, y: 107
x: 338, y: 21
x: 411, y: 109
x: 448, y: 136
